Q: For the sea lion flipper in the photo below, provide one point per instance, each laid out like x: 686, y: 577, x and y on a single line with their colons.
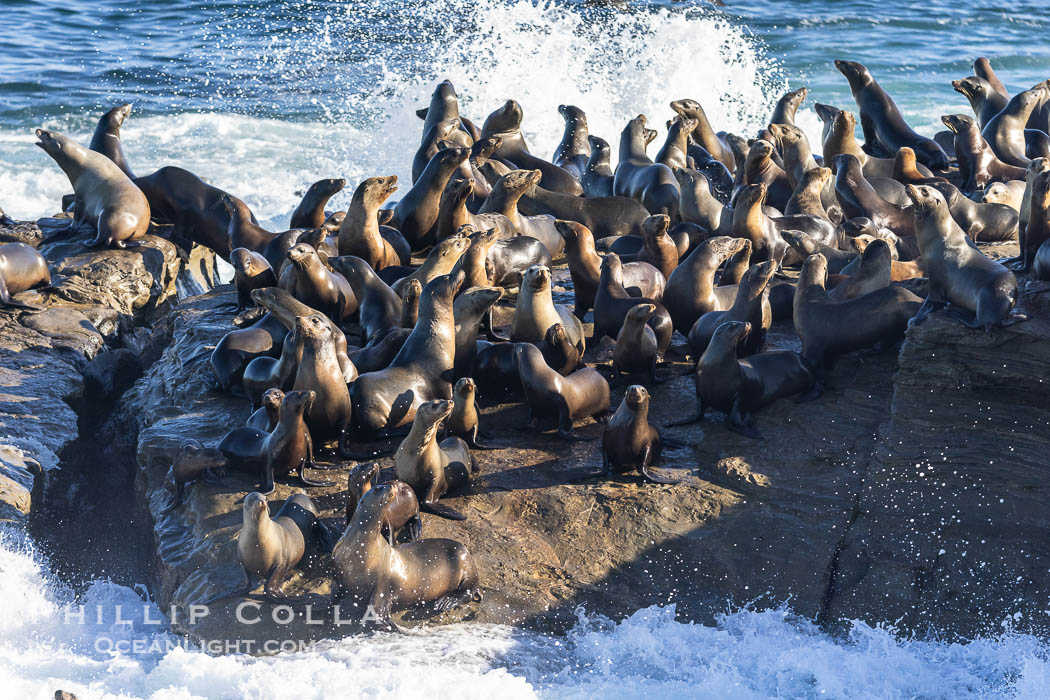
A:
x: 441, y: 511
x: 473, y: 442
x: 652, y: 477
x: 310, y: 482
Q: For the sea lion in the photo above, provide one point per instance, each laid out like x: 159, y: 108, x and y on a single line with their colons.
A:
x: 480, y: 153
x: 697, y: 205
x: 635, y: 350
x: 269, y: 548
x: 312, y: 283
x: 639, y: 278
x: 106, y: 139
x: 806, y: 197
x: 829, y: 329
x: 105, y: 196
x: 983, y: 98
x: 981, y: 222
x: 691, y: 290
x: 474, y: 263
x: 421, y: 370
x: 959, y: 274
x: 250, y: 271
x: 453, y: 215
x: 751, y: 222
x: 674, y: 152
x: 264, y: 373
x: 629, y: 443
x: 239, y: 347
x: 1038, y: 165
x: 266, y: 416
x: 740, y: 386
x: 1034, y: 254
x: 637, y: 176
x: 383, y: 579
x: 604, y: 216
x: 657, y: 248
x: 703, y: 134
x: 550, y: 395
x: 318, y: 371
x: 21, y: 268
x: 1005, y: 132
x: 360, y: 233
x: 859, y: 199
x: 410, y: 303
x: 444, y: 106
x: 401, y: 521
x: 463, y: 420
x: 310, y: 211
x: 431, y: 468
x: 874, y: 271
x: 512, y: 257
x: 612, y: 302
x: 243, y: 231
x: 597, y: 177
x: 574, y: 150
x: 905, y: 170
x: 194, y: 461
x: 440, y: 261
x: 470, y: 309
x: 505, y: 123
x: 805, y: 246
x: 840, y: 128
x: 379, y: 306
x: 978, y: 164
x: 435, y: 139
x: 495, y: 371
x: 884, y: 127
x: 559, y: 352
x: 759, y: 169
x: 536, y: 311
x: 1010, y: 193
x: 415, y: 216
x: 504, y: 200
x: 751, y: 305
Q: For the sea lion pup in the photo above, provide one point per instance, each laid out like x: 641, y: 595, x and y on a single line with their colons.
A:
x: 703, y: 135
x: 559, y: 352
x: 463, y: 420
x: 310, y: 281
x: 639, y: 278
x: 959, y: 274
x: 105, y: 197
x: 884, y: 127
x: 266, y: 416
x: 691, y: 290
x: 978, y: 164
x: 401, y: 522
x: 269, y: 548
x: 759, y: 169
x: 740, y: 386
x: 751, y: 304
x: 21, y: 268
x: 597, y: 177
x: 806, y: 197
x: 329, y: 415
x: 194, y: 461
x: 1010, y: 193
x: 416, y: 215
x: 421, y: 370
x: 575, y: 148
x: 805, y: 246
x: 440, y: 261
x: 981, y: 222
x: 874, y: 272
x: 536, y: 311
x: 310, y: 211
x: 433, y: 469
x: 829, y: 329
x: 106, y: 139
x: 505, y: 123
x: 360, y: 233
x: 612, y: 302
x: 550, y: 395
x: 637, y: 176
x: 657, y: 247
x: 383, y: 579
x: 984, y: 100
x: 1005, y: 132
x: 751, y: 222
x: 410, y: 303
x: 379, y: 306
x: 635, y: 351
x: 472, y: 310
x: 674, y: 152
x: 474, y: 263
x: 251, y: 271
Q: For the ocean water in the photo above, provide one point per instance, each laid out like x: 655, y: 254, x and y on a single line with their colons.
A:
x: 262, y: 98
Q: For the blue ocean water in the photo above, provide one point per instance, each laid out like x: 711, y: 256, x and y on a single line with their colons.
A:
x: 263, y: 98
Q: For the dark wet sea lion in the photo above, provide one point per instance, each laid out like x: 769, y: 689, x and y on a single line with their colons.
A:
x: 310, y: 211
x: 495, y: 370
x: 637, y: 176
x: 984, y: 100
x: 884, y: 126
x: 657, y: 247
x: 629, y: 443
x: 106, y: 139
x: 505, y: 123
x: 21, y: 268
x: 559, y: 352
x: 751, y: 305
x: 604, y: 216
x: 1005, y: 132
x: 674, y: 152
x: 635, y: 351
x: 251, y: 271
x: 266, y: 416
x: 435, y: 139
x: 959, y: 274
x: 750, y: 222
x: 105, y: 196
x: 421, y: 371
x: 575, y: 149
x: 471, y: 310
x: 415, y: 216
x: 703, y: 134
x: 379, y: 306
x: 697, y: 205
x: 597, y: 177
x: 1038, y: 165
x: 360, y: 233
x: 265, y: 373
x: 243, y: 232
x: 978, y: 164
x: 739, y: 387
x: 239, y: 347
x: 431, y: 468
x: 444, y: 106
x: 410, y: 303
x: 612, y: 302
x: 383, y: 579
x: 194, y: 461
x: 463, y: 420
x: 691, y: 290
x: 639, y: 279
x: 311, y: 282
x: 512, y: 257
x: 550, y: 395
x: 536, y: 311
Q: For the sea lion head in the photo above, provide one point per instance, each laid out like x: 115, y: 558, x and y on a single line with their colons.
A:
x: 444, y: 91
x: 844, y: 122
x: 636, y: 396
x: 272, y: 398
x: 655, y: 226
x: 504, y: 120
x: 757, y: 277
x: 458, y: 191
x: 751, y: 195
x: 485, y: 147
x: 359, y: 481
x: 302, y: 254
x: 971, y: 86
x: 328, y: 186
x: 54, y: 143
x: 484, y: 239
x: 639, y: 314
x: 800, y: 242
x: 255, y: 508
x: 796, y: 97
x: 730, y: 333
x: 814, y: 272
x: 1030, y: 98
x: 612, y: 263
x: 599, y: 145
x: 537, y: 278
x: 517, y: 181
x: 556, y: 336
x: 442, y: 289
x: 271, y: 297
x: 1041, y: 191
x: 681, y: 125
x: 117, y: 115
x: 430, y: 413
x: 997, y: 193
x: 314, y: 327
x: 876, y: 252
x: 572, y: 115
x: 956, y: 123
x: 300, y: 401
x: 572, y: 232
x: 854, y: 72
x: 451, y: 158
x: 451, y: 249
x: 376, y: 190
x: 1038, y: 165
x: 465, y: 388
x: 243, y: 262
x: 786, y: 133
x: 761, y: 150
x: 687, y: 108
x: 827, y: 113
x: 925, y: 198
x: 650, y: 135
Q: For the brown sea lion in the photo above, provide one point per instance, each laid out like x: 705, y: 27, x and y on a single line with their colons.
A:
x: 105, y: 196
x: 311, y: 282
x: 984, y: 100
x: 629, y: 442
x: 806, y: 197
x: 859, y: 199
x: 536, y: 311
x: 431, y: 468
x: 360, y: 233
x: 759, y: 169
x: 472, y: 310
x: 194, y: 461
x: 978, y: 164
x: 751, y: 304
x: 751, y: 222
x: 477, y: 270
x: 416, y: 214
x: 269, y: 412
x: 635, y: 350
x: 550, y: 395
x: 505, y: 123
x: 840, y: 129
x: 444, y: 106
x: 401, y: 521
x: 379, y: 307
x: 637, y: 176
x: 21, y: 268
x: 410, y: 303
x: 1010, y: 193
x: 436, y: 138
x: 440, y: 261
x: 453, y: 214
x: 251, y: 271
x: 463, y: 420
x: 106, y: 139
x: 310, y: 211
x: 269, y: 548
x: 691, y: 290
x: 559, y: 352
x: 1005, y: 132
x: 657, y: 248
x: 612, y: 302
x: 981, y: 222
x: 674, y: 152
x: 1037, y: 233
x: 329, y: 415
x: 703, y: 135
